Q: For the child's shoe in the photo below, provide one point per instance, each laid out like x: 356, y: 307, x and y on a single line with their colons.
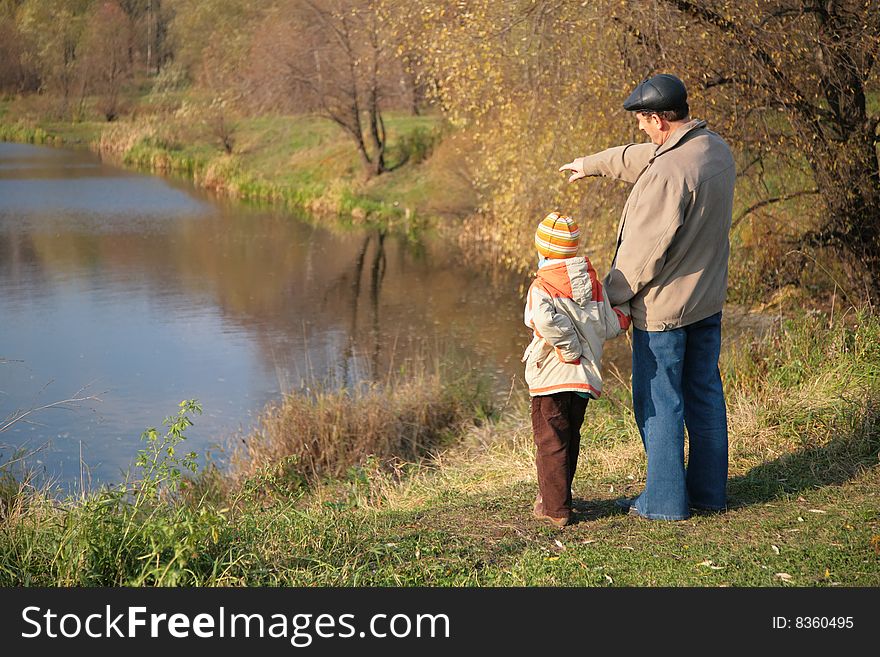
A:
x: 538, y: 511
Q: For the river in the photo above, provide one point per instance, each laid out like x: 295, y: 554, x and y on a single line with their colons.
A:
x: 143, y: 291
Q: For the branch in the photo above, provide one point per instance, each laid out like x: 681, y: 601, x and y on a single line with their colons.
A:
x: 403, y: 161
x: 763, y: 58
x: 802, y: 254
x: 325, y: 20
x: 746, y: 168
x: 768, y: 201
x: 24, y: 456
x: 785, y: 13
x: 719, y: 80
x: 18, y: 416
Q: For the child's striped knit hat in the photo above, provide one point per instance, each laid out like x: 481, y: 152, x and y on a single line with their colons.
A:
x: 557, y: 236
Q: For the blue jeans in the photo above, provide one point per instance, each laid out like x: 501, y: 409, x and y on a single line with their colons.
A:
x: 676, y: 382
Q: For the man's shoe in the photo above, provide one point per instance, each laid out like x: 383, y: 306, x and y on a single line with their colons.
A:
x: 538, y: 511
x: 707, y: 509
x: 628, y: 506
x: 632, y: 511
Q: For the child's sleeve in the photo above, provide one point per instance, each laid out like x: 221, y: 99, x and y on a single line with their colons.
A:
x: 616, y: 319
x: 555, y: 327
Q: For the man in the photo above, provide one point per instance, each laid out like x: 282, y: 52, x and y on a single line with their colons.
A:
x: 671, y: 265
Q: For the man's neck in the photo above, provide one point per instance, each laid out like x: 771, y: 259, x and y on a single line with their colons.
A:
x: 673, y: 126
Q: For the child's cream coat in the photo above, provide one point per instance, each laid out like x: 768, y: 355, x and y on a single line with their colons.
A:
x: 571, y: 319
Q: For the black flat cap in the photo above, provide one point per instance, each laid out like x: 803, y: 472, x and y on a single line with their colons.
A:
x: 657, y: 94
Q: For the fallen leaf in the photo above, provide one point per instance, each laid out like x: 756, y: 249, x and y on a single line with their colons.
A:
x: 705, y: 563
x: 775, y: 549
x: 800, y: 519
x: 827, y: 573
x: 816, y: 511
x: 608, y: 577
x: 588, y: 541
x: 559, y: 544
x: 552, y: 558
x: 785, y: 577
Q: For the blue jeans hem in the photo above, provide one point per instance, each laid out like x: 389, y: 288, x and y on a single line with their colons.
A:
x: 659, y: 516
x: 634, y: 508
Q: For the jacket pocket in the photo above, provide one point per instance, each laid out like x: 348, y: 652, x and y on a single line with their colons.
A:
x: 537, y: 352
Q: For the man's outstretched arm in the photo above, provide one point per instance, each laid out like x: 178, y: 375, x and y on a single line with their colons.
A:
x: 621, y: 162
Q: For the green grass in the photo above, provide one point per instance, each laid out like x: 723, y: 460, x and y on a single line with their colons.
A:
x: 305, y: 162
x: 804, y: 409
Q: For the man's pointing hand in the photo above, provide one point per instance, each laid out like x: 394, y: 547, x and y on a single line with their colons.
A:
x: 577, y: 167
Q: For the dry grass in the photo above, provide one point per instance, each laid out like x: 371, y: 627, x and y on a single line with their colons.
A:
x: 326, y: 432
x: 802, y: 412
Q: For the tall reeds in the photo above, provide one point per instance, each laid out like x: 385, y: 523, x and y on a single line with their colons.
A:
x: 324, y: 432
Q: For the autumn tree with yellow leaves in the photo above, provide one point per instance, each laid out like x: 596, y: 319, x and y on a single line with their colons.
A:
x: 520, y: 79
x: 798, y: 78
x: 789, y: 83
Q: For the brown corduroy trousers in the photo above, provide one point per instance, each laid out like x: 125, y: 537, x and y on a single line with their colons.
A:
x: 556, y: 425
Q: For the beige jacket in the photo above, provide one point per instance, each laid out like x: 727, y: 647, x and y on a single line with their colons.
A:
x: 571, y: 319
x: 672, y: 243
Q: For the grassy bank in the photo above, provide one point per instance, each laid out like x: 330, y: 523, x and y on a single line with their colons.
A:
x: 303, y: 162
x: 804, y: 405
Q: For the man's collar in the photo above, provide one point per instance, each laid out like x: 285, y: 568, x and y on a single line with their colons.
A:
x: 678, y: 134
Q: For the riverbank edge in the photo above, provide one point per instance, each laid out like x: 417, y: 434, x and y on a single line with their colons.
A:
x: 342, y: 200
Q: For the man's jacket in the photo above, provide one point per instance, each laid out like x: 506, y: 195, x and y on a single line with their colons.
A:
x: 673, y: 246
x: 571, y: 319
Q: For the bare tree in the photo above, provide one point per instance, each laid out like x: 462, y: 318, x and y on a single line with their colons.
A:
x: 105, y: 64
x: 332, y: 57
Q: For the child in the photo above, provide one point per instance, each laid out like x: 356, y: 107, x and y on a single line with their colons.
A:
x: 571, y: 320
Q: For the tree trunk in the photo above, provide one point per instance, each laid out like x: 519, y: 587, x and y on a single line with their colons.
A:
x: 150, y: 36
x: 377, y: 134
x: 845, y: 163
x: 377, y: 126
x: 358, y: 137
x: 846, y: 174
